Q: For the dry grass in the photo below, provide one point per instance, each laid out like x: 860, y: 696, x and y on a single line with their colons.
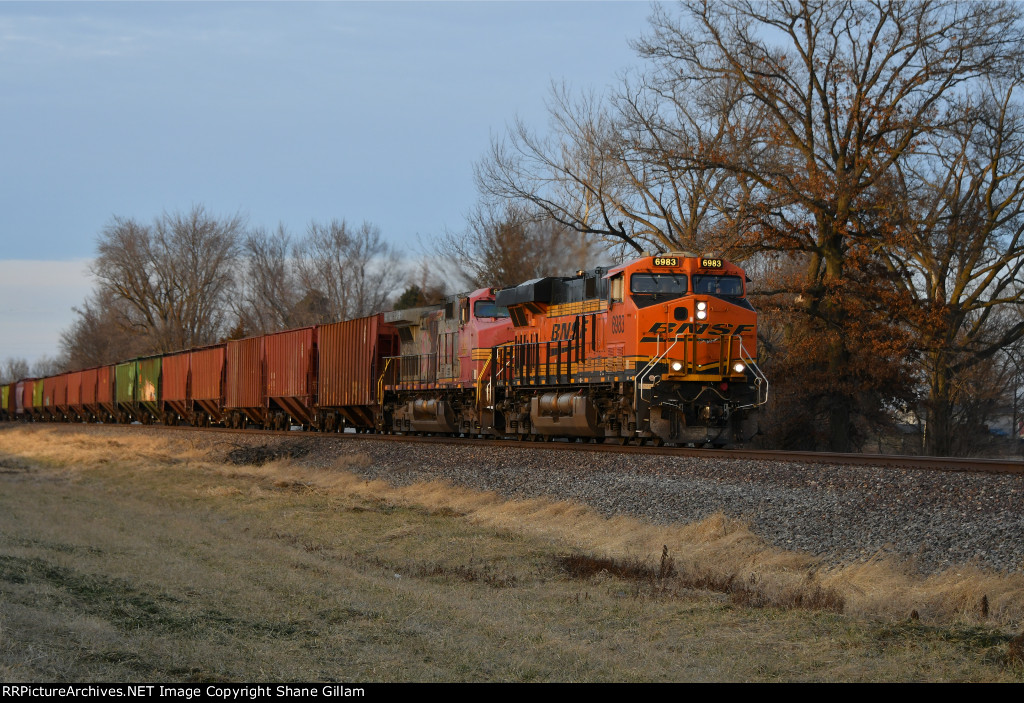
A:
x: 138, y: 557
x: 717, y: 553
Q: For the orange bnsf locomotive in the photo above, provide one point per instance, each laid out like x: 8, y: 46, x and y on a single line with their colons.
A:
x: 660, y: 349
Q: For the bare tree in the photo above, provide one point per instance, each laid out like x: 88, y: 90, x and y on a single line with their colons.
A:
x: 268, y: 289
x: 13, y: 370
x: 503, y: 246
x: 773, y: 126
x: 97, y: 337
x: 48, y: 366
x: 345, y: 271
x: 175, y: 276
x: 960, y: 254
x: 621, y: 170
x: 846, y: 92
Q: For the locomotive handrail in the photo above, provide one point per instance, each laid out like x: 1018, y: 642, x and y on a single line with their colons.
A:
x: 760, y: 379
x: 480, y: 378
x: 510, y: 359
x: 380, y: 381
x: 520, y: 363
x: 638, y: 393
x: 421, y: 375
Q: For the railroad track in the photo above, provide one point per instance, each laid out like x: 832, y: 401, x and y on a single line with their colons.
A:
x: 973, y: 465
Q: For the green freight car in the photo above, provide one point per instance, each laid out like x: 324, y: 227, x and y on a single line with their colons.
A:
x: 137, y: 390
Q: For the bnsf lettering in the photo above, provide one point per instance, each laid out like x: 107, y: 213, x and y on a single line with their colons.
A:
x: 562, y: 332
x: 668, y: 329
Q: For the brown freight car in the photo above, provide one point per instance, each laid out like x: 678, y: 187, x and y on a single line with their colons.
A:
x: 49, y: 404
x: 206, y: 384
x: 60, y: 398
x: 245, y: 382
x: 291, y: 367
x: 74, y: 409
x: 175, y: 404
x: 351, y: 361
x: 97, y: 394
x: 91, y: 411
x: 192, y: 386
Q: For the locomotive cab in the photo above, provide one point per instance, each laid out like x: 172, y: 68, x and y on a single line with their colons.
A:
x: 696, y: 335
x: 438, y: 383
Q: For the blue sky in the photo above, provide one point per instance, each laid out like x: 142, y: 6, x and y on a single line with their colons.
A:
x: 284, y: 112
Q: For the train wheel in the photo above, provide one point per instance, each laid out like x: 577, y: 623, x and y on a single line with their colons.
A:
x: 657, y: 442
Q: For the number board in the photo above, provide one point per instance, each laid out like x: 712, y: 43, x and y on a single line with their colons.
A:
x: 711, y: 263
x: 666, y: 261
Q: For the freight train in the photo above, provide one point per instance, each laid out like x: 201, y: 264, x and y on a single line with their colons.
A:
x: 661, y: 349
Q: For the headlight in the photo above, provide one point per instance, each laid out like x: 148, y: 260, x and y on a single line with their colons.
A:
x: 739, y: 368
x: 702, y: 305
x: 702, y: 314
x: 677, y: 366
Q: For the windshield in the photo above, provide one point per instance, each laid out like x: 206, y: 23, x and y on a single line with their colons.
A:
x: 729, y: 286
x: 658, y: 283
x: 487, y: 308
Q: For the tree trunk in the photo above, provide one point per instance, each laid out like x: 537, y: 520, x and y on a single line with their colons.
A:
x: 938, y: 431
x: 840, y: 404
x: 840, y: 410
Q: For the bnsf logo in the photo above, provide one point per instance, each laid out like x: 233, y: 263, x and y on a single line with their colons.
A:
x: 668, y: 329
x: 563, y: 332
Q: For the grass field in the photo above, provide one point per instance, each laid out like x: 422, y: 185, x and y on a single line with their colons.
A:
x: 136, y: 558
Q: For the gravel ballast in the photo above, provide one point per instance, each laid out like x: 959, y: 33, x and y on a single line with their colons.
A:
x: 933, y: 519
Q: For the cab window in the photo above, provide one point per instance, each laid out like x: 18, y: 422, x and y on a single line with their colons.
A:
x: 658, y: 283
x: 727, y: 286
x: 487, y: 308
x: 615, y: 290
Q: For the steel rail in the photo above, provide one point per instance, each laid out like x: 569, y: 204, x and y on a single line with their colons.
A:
x: 965, y: 464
